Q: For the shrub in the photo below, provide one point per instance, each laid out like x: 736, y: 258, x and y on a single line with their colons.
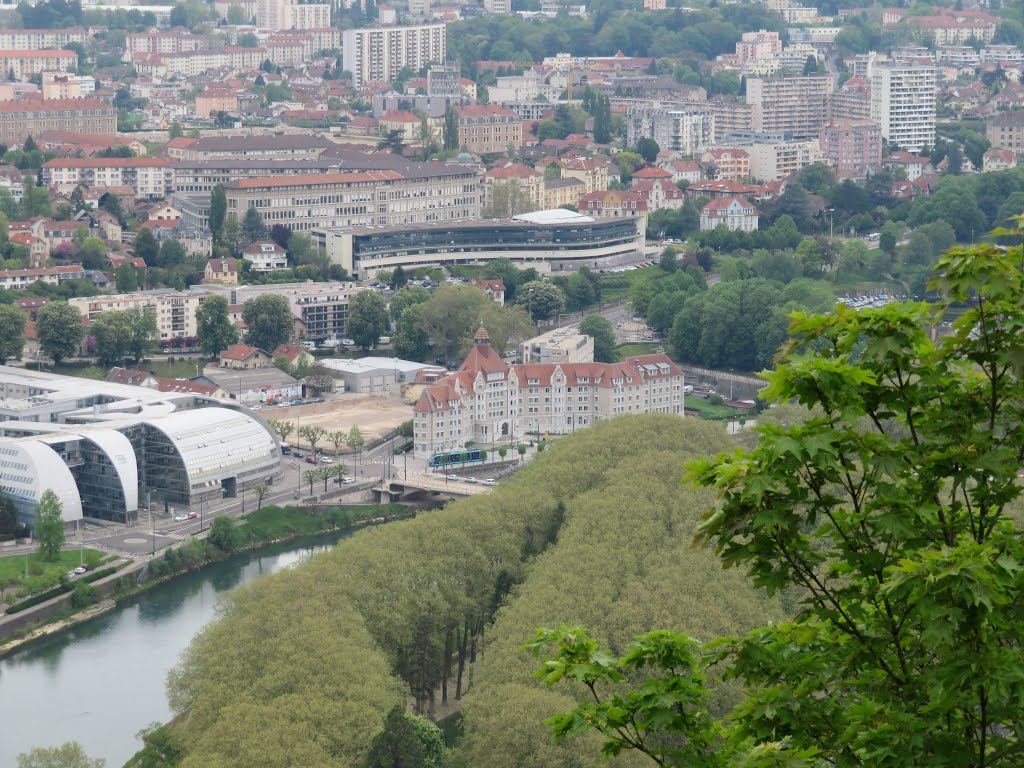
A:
x: 716, y: 400
x: 84, y: 595
x: 42, y: 597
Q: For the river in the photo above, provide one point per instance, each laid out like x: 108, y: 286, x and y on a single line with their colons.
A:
x: 102, y: 681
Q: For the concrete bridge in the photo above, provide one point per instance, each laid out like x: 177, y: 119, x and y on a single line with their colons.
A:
x: 394, y: 488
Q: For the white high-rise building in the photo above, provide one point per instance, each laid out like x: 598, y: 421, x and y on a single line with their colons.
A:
x: 378, y: 54
x: 903, y: 104
x: 688, y: 130
x: 289, y: 14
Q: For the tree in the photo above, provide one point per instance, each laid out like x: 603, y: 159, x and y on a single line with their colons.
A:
x: 176, y: 131
x: 312, y: 434
x: 60, y: 329
x: 12, y: 332
x: 396, y: 746
x: 261, y: 492
x: 253, y: 228
x: 124, y: 333
x: 507, y: 198
x: 337, y: 438
x: 450, y: 132
x: 280, y: 234
x: 522, y: 451
x: 269, y: 321
x: 311, y: 476
x: 68, y: 755
x: 367, y: 318
x: 49, y: 527
x: 146, y: 247
x: 356, y: 441
x: 92, y: 252
x: 542, y: 300
x: 893, y: 526
x: 648, y: 149
x: 172, y: 253
x: 600, y: 329
x: 218, y: 211
x: 214, y: 327
x: 224, y: 534
x: 392, y: 141
x: 669, y: 261
x: 398, y: 278
x: 282, y: 429
x: 602, y: 119
x: 411, y: 340
x: 406, y: 297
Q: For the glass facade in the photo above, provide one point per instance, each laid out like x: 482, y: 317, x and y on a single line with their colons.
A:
x: 98, y: 483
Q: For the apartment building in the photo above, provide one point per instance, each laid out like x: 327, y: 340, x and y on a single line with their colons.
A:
x: 19, y: 279
x: 503, y: 7
x: 731, y: 115
x: 593, y: 173
x: 559, y: 345
x: 21, y: 65
x: 295, y: 146
x: 1006, y: 131
x: 163, y: 42
x: 487, y: 401
x: 946, y: 30
x: 729, y: 163
x: 289, y: 14
x: 903, y: 104
x: 40, y: 39
x: 852, y: 101
x: 687, y: 130
x: 214, y: 100
x: 64, y: 85
x: 195, y: 63
x: 529, y: 185
x: 736, y: 213
x: 174, y: 311
x: 379, y: 54
x: 24, y: 118
x: 793, y: 105
x: 852, y: 148
x: 758, y: 45
x: 320, y: 309
x: 561, y: 193
x: 304, y: 203
x: 488, y: 128
x: 772, y: 159
x: 151, y: 177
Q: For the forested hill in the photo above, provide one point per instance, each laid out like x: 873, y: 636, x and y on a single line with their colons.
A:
x: 304, y: 665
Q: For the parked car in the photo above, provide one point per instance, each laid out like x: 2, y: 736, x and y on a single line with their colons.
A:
x: 297, y: 402
x: 193, y: 515
x: 488, y: 481
x: 80, y: 570
x: 180, y: 518
x: 298, y: 454
x: 326, y: 460
x: 311, y: 459
x: 344, y: 480
x: 469, y: 479
x: 347, y: 343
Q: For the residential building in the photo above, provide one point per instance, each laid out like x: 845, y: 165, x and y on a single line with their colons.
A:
x: 164, y: 42
x: 40, y: 39
x: 559, y: 345
x: 793, y: 105
x: 19, y: 279
x: 320, y: 309
x: 614, y: 204
x: 592, y: 172
x: 24, y: 118
x: 64, y: 85
x: 406, y: 123
x: 147, y: 176
x: 852, y: 101
x: 244, y: 357
x: 903, y: 104
x: 221, y: 271
x: 522, y: 187
x: 443, y: 81
x: 736, y: 213
x: 487, y: 401
x: 378, y: 54
x: 561, y: 193
x: 289, y: 14
x: 914, y: 166
x: 21, y: 65
x: 947, y: 30
x: 265, y: 256
x: 498, y: 7
x: 999, y: 160
x: 174, y: 311
x: 688, y: 130
x: 654, y: 5
x: 731, y: 115
x: 96, y: 443
x: 1006, y: 131
x: 852, y: 148
x: 216, y: 99
x: 758, y: 45
x: 550, y: 241
x: 421, y: 193
x: 1000, y: 54
x: 494, y: 288
x: 772, y: 159
x: 488, y: 128
x: 727, y: 163
x: 682, y: 170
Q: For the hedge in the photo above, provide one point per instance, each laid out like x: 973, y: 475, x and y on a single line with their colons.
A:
x: 42, y: 597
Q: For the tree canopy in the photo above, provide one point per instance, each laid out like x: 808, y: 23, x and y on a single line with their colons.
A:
x: 269, y: 320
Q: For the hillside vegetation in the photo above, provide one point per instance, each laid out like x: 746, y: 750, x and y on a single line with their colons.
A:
x: 302, y: 667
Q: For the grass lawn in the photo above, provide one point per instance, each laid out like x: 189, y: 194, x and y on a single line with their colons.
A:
x: 12, y: 567
x: 709, y: 411
x: 633, y: 348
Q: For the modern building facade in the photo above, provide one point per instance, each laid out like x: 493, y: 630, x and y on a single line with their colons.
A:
x: 903, y: 104
x: 794, y: 105
x: 378, y: 54
x: 551, y: 241
x: 686, y: 130
x: 488, y: 401
x: 303, y: 203
x: 104, y: 448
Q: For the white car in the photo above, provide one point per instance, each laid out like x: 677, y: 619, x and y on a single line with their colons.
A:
x: 346, y: 480
x: 488, y: 481
x: 453, y: 477
x: 469, y: 479
x: 80, y: 570
x: 326, y: 460
x: 180, y: 518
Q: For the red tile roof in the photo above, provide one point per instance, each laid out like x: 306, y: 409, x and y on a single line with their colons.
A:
x: 239, y: 352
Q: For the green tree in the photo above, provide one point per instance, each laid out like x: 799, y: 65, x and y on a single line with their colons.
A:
x: 282, y: 429
x: 214, y: 327
x: 224, y: 534
x: 893, y: 525
x: 261, y: 492
x: 124, y: 333
x: 146, y: 247
x: 542, y: 300
x: 450, y: 132
x: 49, y: 525
x: 312, y: 434
x: 648, y: 149
x: 397, y: 746
x: 392, y: 142
x: 669, y: 261
x: 176, y: 131
x: 269, y: 321
x: 68, y: 755
x: 406, y: 297
x: 218, y: 211
x: 253, y: 228
x: 172, y: 253
x: 60, y: 329
x: 367, y: 318
x: 600, y: 329
x: 92, y: 252
x: 12, y: 332
x: 411, y: 340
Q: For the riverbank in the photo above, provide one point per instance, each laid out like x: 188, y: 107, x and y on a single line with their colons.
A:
x: 225, y: 537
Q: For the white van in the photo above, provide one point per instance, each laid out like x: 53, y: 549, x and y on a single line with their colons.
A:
x: 309, y: 345
x: 384, y: 340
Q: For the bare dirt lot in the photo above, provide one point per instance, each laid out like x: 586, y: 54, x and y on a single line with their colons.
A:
x: 375, y: 416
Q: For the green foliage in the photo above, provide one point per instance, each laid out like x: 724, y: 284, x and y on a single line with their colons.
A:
x: 83, y: 595
x: 49, y: 525
x: 216, y: 330
x: 407, y: 741
x: 12, y: 332
x: 253, y: 227
x: 543, y: 301
x: 599, y: 327
x: 224, y: 534
x: 453, y: 314
x: 146, y: 247
x: 59, y: 328
x: 218, y: 212
x: 121, y: 334
x: 68, y: 755
x: 367, y: 318
x: 405, y: 297
x: 161, y: 744
x: 269, y: 321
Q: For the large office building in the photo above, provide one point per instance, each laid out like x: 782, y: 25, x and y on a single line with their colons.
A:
x: 550, y: 241
x: 25, y: 117
x: 377, y: 55
x: 903, y: 104
x: 794, y: 105
x: 104, y: 448
x: 419, y: 193
x: 487, y: 401
x: 688, y: 130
